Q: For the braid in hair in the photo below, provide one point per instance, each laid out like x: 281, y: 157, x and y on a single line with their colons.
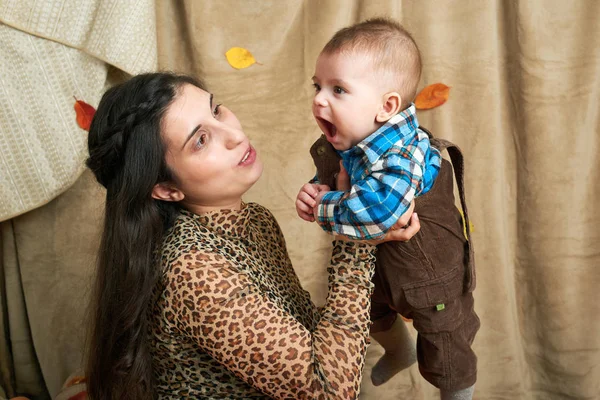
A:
x: 127, y: 157
x: 106, y: 157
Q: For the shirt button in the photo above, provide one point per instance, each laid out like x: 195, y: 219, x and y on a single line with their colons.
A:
x: 321, y: 150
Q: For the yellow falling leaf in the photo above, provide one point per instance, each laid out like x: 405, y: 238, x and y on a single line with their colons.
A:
x: 239, y: 58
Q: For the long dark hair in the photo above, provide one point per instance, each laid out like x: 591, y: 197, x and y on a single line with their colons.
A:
x: 127, y: 157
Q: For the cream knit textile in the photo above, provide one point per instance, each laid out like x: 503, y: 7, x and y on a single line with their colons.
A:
x: 50, y: 52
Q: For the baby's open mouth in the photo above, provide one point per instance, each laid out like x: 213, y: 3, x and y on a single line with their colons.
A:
x: 328, y: 128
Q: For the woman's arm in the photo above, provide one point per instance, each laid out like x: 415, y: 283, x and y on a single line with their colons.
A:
x: 236, y: 322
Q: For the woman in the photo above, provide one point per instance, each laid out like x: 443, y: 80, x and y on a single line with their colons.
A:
x: 195, y: 295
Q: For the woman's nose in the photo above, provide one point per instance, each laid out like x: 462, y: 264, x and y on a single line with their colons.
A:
x: 233, y: 137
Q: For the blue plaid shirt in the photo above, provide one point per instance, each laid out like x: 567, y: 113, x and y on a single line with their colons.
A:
x: 387, y: 171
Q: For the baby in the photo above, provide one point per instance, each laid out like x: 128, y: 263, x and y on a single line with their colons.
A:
x: 365, y: 80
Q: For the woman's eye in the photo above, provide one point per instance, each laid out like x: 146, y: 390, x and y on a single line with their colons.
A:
x: 216, y: 110
x: 338, y: 90
x: 201, y: 142
x: 317, y: 87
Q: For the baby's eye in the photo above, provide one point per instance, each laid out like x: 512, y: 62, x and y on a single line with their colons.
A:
x: 338, y: 90
x: 317, y: 87
x: 216, y: 110
x: 201, y: 142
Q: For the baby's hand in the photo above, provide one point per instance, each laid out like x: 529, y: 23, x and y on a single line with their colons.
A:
x: 342, y: 181
x: 305, y: 201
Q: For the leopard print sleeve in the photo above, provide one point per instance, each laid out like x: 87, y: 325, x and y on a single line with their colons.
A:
x: 233, y: 319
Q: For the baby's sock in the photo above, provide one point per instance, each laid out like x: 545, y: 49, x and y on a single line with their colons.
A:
x: 463, y: 394
x: 400, y: 352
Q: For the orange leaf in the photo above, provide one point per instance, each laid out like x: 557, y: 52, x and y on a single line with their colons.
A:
x: 84, y: 113
x: 432, y: 96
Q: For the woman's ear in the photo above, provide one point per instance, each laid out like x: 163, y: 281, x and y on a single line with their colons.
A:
x: 166, y: 191
x: 389, y: 107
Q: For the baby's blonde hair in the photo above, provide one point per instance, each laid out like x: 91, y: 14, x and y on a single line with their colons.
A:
x: 392, y: 49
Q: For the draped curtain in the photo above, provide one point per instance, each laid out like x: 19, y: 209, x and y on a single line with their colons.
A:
x: 524, y: 107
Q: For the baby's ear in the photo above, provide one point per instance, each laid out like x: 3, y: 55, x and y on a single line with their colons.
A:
x: 167, y: 192
x: 390, y: 106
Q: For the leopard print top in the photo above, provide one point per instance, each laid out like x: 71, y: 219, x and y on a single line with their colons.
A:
x: 230, y: 319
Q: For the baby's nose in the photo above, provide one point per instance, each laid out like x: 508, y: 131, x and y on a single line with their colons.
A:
x: 320, y: 99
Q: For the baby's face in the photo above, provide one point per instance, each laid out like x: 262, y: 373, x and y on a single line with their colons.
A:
x: 347, y: 98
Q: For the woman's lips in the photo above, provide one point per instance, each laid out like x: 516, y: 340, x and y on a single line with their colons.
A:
x: 249, y: 157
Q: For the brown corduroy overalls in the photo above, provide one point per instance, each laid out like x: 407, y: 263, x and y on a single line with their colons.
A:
x: 429, y: 278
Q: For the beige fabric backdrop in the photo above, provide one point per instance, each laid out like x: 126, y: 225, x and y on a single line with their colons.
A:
x: 524, y: 106
x: 53, y: 51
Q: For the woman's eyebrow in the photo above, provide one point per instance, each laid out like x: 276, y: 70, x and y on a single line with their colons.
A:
x: 191, y: 135
x: 193, y: 132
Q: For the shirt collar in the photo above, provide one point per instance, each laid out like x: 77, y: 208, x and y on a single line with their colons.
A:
x: 393, y: 131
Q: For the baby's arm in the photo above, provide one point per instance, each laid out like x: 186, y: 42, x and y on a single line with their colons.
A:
x: 373, y: 204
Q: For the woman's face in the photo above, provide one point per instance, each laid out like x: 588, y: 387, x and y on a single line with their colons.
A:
x: 207, y: 151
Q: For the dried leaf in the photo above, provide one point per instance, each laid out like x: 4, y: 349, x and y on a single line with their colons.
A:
x: 84, y: 113
x: 432, y: 96
x: 239, y: 58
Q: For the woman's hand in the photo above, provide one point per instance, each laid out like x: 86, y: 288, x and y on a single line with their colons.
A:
x: 342, y: 180
x: 405, y: 219
x: 401, y: 233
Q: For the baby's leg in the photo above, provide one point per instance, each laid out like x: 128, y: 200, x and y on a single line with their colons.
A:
x: 400, y: 352
x: 463, y: 394
x: 444, y: 343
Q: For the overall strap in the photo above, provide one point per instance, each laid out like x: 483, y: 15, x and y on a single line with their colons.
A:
x: 456, y: 157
